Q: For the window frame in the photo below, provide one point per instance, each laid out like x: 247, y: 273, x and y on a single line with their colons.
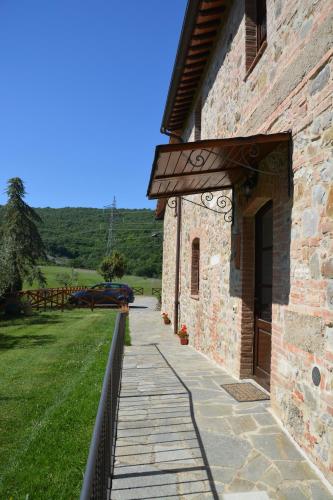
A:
x: 255, y: 32
x: 195, y: 268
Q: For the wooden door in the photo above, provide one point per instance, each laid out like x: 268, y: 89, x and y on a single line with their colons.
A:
x: 263, y: 295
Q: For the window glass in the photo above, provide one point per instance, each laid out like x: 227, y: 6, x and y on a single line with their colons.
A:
x: 195, y: 268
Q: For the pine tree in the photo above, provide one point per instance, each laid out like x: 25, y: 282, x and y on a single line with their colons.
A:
x: 22, y: 245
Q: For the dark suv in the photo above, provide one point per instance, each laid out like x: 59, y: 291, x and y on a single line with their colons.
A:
x: 104, y: 294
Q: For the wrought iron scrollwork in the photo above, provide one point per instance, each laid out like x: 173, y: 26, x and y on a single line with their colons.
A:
x: 172, y: 202
x: 224, y: 204
x: 196, y: 159
x: 249, y: 156
x: 206, y: 198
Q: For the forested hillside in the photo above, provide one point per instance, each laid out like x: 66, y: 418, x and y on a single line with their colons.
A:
x: 80, y: 236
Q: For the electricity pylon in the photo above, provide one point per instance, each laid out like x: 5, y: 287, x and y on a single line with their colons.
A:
x: 111, y: 238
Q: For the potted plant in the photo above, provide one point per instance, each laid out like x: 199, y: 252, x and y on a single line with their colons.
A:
x: 183, y: 335
x: 166, y: 318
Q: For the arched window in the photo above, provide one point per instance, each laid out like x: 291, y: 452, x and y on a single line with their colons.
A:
x: 195, y: 267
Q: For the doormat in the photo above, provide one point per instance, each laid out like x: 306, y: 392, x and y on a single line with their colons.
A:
x: 245, y: 392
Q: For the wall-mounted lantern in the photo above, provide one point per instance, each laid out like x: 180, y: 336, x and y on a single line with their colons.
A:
x: 249, y: 184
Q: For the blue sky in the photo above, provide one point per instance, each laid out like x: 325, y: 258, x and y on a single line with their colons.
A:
x: 82, y: 91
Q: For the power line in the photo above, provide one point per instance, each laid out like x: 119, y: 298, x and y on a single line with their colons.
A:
x: 118, y: 225
x: 110, y: 241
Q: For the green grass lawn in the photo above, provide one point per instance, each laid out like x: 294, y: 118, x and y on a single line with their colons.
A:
x: 146, y: 283
x: 51, y: 371
x: 89, y: 277
x: 85, y: 276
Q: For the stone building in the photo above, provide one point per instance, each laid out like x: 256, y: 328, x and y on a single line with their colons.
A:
x: 245, y: 187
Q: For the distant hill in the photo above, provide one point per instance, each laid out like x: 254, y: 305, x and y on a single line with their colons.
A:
x: 78, y: 237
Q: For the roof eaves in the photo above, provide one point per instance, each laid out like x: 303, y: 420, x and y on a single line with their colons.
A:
x: 190, y: 17
x: 201, y: 27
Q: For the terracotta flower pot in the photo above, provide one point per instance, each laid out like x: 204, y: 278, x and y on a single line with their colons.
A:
x: 183, y: 341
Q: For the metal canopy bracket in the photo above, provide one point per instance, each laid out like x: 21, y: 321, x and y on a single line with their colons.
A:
x: 224, y: 204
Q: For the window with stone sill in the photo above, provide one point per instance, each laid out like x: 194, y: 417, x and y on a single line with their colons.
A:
x: 195, y: 268
x: 255, y: 32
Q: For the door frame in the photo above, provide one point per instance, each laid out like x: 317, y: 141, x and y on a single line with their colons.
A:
x: 259, y: 373
x: 247, y: 319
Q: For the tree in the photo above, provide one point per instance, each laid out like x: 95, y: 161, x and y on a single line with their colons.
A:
x: 22, y: 245
x: 113, y: 267
x: 68, y: 279
x: 6, y: 270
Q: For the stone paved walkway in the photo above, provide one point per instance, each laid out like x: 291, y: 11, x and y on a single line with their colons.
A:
x: 181, y: 436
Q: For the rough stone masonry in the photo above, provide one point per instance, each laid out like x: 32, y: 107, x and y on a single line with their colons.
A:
x: 290, y: 88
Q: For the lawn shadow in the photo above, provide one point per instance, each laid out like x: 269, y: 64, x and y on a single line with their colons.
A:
x: 35, y: 319
x: 41, y: 319
x: 24, y: 341
x: 3, y: 399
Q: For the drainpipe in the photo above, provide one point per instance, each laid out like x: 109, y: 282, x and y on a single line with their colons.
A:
x: 176, y: 305
x: 179, y: 225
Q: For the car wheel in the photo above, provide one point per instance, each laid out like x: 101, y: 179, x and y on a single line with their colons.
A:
x: 123, y: 299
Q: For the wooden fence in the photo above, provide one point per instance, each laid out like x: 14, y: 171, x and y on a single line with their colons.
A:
x: 57, y: 298
x: 156, y: 292
x: 54, y: 298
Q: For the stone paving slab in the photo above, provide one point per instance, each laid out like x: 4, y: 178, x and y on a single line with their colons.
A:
x: 181, y: 436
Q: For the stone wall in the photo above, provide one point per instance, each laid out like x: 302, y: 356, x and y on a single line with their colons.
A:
x: 169, y: 259
x: 290, y: 88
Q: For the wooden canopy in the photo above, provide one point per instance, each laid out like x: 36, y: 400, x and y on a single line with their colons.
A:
x: 209, y: 165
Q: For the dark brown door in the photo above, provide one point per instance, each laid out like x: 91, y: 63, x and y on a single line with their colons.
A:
x: 263, y: 295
